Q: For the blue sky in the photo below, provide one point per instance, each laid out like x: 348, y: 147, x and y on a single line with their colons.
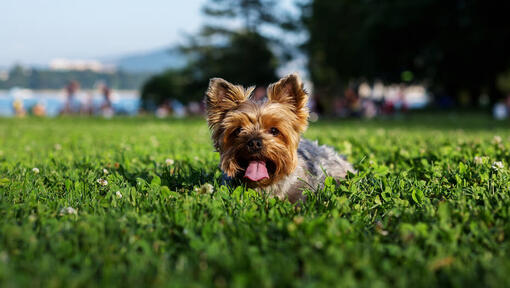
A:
x: 36, y: 31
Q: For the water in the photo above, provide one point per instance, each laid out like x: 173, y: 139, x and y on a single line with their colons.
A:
x: 123, y: 101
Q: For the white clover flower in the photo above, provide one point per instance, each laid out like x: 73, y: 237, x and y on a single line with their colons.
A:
x: 497, y: 139
x: 118, y: 194
x: 208, y: 188
x: 478, y: 160
x: 498, y: 165
x: 68, y: 211
x: 102, y: 182
x: 58, y: 147
x: 105, y: 171
x: 35, y: 170
x: 204, y: 189
x: 169, y: 162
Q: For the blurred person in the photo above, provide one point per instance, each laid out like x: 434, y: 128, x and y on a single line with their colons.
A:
x: 369, y: 108
x: 388, y: 108
x: 39, y: 109
x: 400, y: 104
x: 353, y: 102
x: 19, y: 109
x: 88, y: 107
x: 194, y: 108
x: 72, y: 105
x: 178, y: 109
x: 500, y: 111
x: 164, y: 109
x: 106, y: 106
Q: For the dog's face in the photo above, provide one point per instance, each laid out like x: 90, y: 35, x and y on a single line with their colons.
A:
x: 257, y: 141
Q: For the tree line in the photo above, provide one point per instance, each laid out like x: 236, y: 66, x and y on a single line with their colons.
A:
x: 454, y: 48
x: 35, y: 78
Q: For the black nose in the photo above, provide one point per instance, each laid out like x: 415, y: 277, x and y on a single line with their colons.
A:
x: 255, y: 144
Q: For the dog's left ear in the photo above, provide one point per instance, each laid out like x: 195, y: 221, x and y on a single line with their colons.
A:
x: 289, y: 90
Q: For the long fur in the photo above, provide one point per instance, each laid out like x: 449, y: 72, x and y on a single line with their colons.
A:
x: 293, y: 163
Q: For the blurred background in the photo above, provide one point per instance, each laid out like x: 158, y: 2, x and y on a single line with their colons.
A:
x: 361, y: 59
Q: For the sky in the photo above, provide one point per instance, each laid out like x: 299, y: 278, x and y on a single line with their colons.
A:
x: 33, y: 32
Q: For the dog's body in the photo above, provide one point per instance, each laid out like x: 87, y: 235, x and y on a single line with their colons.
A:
x: 260, y: 143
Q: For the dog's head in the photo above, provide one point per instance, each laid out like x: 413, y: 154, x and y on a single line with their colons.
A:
x: 257, y: 141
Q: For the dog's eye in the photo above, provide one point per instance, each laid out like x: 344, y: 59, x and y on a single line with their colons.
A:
x: 274, y: 131
x: 237, y: 131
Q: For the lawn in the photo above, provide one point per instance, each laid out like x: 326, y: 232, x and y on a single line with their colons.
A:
x: 136, y: 202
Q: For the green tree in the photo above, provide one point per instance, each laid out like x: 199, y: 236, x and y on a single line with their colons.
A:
x: 244, y: 58
x: 454, y: 46
x: 33, y: 78
x: 172, y: 84
x: 18, y: 77
x: 232, y: 45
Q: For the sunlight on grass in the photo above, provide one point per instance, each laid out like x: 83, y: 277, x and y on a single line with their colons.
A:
x: 136, y: 202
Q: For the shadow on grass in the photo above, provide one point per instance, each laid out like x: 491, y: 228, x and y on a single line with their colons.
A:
x: 182, y: 176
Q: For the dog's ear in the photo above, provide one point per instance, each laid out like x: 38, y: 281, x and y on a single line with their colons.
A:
x: 289, y: 91
x: 222, y: 94
x: 221, y: 97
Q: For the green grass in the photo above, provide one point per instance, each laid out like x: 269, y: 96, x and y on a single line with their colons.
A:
x: 421, y: 211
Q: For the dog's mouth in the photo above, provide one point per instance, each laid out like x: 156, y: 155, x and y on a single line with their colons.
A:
x: 257, y: 169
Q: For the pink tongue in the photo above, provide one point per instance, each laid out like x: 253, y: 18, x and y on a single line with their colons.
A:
x: 256, y: 171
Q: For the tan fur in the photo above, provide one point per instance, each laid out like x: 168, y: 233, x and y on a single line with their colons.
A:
x: 221, y: 97
x: 234, y: 119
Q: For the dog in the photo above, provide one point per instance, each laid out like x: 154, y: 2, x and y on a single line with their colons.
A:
x: 260, y: 142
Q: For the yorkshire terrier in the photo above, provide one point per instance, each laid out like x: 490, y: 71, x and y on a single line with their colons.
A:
x: 260, y: 142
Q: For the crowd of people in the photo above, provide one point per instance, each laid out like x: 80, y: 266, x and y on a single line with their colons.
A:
x: 74, y: 106
x: 363, y: 101
x: 356, y: 101
x: 75, y: 103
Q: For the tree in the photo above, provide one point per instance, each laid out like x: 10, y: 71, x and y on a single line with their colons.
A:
x: 233, y: 45
x: 454, y: 46
x: 35, y: 78
x: 245, y: 58
x: 171, y: 84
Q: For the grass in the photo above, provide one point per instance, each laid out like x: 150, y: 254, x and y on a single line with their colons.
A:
x: 428, y: 207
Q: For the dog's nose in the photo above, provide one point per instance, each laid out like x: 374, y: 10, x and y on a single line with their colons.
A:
x: 255, y: 144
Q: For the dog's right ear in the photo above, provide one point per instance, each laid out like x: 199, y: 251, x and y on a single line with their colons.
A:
x: 221, y: 97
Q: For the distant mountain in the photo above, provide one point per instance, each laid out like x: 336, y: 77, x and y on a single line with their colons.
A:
x: 151, y: 62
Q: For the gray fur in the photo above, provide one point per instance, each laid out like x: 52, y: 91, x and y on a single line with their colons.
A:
x: 313, y: 162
